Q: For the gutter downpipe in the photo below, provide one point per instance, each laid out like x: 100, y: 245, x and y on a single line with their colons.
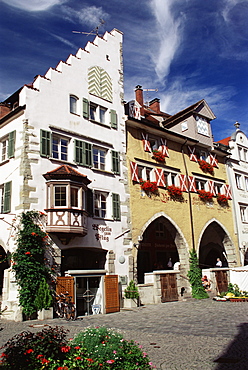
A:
x: 190, y: 201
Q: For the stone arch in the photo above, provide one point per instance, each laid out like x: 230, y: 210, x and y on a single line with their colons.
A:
x: 215, y: 242
x: 167, y: 241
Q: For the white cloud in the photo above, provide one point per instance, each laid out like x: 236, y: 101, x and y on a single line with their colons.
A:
x: 33, y: 5
x: 89, y: 15
x: 229, y: 5
x: 64, y: 41
x: 168, y: 34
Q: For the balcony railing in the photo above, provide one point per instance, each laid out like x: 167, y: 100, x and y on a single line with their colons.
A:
x: 67, y: 220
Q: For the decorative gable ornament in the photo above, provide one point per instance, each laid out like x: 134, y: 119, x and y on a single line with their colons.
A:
x: 134, y: 110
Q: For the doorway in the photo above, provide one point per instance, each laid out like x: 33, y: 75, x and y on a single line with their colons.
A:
x: 88, y: 293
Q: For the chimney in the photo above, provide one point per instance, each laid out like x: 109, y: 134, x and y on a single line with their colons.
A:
x: 155, y: 105
x: 4, y: 109
x: 139, y: 98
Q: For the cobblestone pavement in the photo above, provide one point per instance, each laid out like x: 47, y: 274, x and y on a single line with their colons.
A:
x: 178, y: 335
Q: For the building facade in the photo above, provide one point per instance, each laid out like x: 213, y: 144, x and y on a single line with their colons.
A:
x: 237, y: 169
x: 62, y: 153
x: 177, y: 183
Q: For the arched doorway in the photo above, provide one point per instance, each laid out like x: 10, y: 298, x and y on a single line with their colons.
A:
x: 157, y: 248
x: 4, y: 264
x: 212, y: 246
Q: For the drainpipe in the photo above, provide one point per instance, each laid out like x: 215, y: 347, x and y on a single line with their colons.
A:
x: 190, y: 201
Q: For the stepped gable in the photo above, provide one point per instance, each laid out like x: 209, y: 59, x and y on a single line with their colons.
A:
x: 67, y: 172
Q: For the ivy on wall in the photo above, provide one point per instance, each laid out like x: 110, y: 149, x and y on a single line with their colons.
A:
x: 195, y: 275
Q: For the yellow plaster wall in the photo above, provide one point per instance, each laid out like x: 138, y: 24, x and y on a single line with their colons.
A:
x: 143, y: 208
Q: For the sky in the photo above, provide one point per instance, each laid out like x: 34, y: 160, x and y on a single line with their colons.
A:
x: 186, y: 49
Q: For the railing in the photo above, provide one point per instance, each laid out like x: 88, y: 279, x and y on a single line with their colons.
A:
x: 67, y: 220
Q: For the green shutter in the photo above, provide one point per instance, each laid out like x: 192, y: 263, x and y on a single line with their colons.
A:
x: 113, y: 119
x: 115, y: 162
x: 85, y: 108
x: 11, y: 144
x: 79, y: 151
x: 89, y: 202
x: 116, y: 206
x: 87, y: 154
x: 45, y: 143
x: 7, y: 197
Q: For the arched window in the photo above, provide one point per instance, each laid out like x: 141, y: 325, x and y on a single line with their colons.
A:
x: 73, y: 104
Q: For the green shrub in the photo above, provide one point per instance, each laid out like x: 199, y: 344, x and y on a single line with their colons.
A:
x: 195, y: 276
x: 131, y: 291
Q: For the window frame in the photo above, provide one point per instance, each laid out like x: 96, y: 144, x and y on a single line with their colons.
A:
x: 74, y: 104
x: 60, y: 152
x: 102, y: 212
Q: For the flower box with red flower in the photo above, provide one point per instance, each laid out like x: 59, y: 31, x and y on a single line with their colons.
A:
x: 206, y: 196
x: 174, y: 192
x: 158, y: 156
x: 222, y: 199
x: 149, y: 186
x: 205, y: 166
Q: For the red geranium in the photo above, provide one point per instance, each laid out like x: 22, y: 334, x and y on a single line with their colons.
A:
x: 205, y: 195
x: 149, y: 186
x: 222, y: 199
x: 159, y: 156
x: 205, y: 166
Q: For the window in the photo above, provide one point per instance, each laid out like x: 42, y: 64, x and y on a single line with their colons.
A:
x: 8, y: 146
x: 153, y: 143
x: 217, y: 188
x: 200, y: 184
x: 240, y: 153
x: 59, y: 148
x: 243, y: 213
x: 98, y: 113
x: 238, y: 180
x: 184, y: 126
x: 100, y: 204
x: 99, y: 158
x: 102, y: 114
x: 60, y: 196
x: 93, y: 115
x: 246, y: 183
x: 6, y: 197
x: 245, y: 155
x: 73, y: 104
x: 74, y: 197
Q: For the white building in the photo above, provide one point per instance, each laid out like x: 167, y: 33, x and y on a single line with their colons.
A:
x: 62, y: 153
x: 237, y: 169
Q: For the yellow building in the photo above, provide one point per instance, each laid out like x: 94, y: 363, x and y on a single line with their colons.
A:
x: 179, y: 197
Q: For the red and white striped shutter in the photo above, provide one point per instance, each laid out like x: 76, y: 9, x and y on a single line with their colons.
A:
x: 159, y: 175
x: 211, y: 187
x: 228, y: 192
x: 213, y: 160
x: 183, y: 182
x: 192, y: 185
x: 192, y: 155
x: 163, y: 147
x: 134, y: 171
x: 134, y: 110
x: 146, y: 142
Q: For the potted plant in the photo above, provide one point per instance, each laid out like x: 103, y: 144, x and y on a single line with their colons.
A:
x: 158, y: 156
x: 131, y: 295
x: 222, y: 199
x: 205, y: 166
x: 149, y: 186
x: 43, y: 301
x: 175, y: 192
x: 205, y: 196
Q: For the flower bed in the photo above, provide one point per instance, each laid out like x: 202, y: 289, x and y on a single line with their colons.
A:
x: 149, y: 186
x: 94, y: 348
x: 158, y: 156
x: 175, y: 192
x: 222, y: 199
x: 205, y: 166
x: 205, y: 196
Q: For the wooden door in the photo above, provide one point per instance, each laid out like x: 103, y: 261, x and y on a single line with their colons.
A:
x: 65, y: 284
x: 168, y: 288
x: 112, y: 301
x: 221, y: 281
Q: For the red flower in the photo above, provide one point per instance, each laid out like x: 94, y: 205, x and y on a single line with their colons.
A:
x: 90, y: 360
x: 110, y: 361
x: 222, y: 199
x: 159, y: 156
x: 45, y: 361
x: 65, y: 349
x: 205, y: 166
x: 78, y: 358
x: 4, y: 355
x: 33, y: 233
x: 148, y: 186
x: 77, y: 347
x: 39, y: 356
x: 29, y: 350
x: 205, y: 195
x: 62, y: 368
x: 174, y: 191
